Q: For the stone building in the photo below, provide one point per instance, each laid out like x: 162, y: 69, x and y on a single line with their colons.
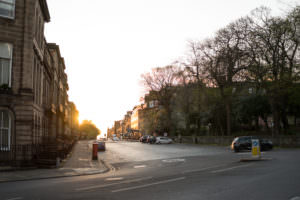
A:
x: 33, y: 84
x: 110, y: 132
x: 117, y: 128
x: 127, y: 122
x: 73, y: 120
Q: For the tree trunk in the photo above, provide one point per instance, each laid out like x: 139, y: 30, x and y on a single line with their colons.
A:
x: 168, y: 127
x: 228, y: 118
x: 187, y: 125
x: 276, y: 117
x: 266, y: 123
x: 256, y: 123
x: 285, y: 121
x: 276, y: 122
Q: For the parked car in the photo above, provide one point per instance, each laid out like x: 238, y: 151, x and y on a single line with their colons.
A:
x: 151, y: 139
x: 265, y: 144
x: 144, y: 138
x: 101, y: 146
x: 163, y: 140
x: 245, y: 143
x: 115, y: 139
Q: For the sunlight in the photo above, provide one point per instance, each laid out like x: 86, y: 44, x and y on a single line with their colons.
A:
x: 80, y: 119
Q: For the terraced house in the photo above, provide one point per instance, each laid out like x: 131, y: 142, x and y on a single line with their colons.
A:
x: 34, y: 109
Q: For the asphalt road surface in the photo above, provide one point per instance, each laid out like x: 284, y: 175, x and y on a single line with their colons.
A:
x: 175, y: 172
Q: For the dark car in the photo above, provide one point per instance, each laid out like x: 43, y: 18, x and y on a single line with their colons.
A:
x: 101, y: 145
x: 265, y: 144
x: 144, y: 138
x: 245, y: 143
x: 151, y: 139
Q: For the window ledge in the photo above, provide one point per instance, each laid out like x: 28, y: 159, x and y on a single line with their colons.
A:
x: 7, y: 17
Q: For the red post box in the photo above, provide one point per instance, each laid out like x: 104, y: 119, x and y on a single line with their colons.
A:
x: 95, y: 151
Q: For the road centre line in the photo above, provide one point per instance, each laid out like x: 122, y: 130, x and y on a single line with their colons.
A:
x: 230, y: 168
x: 114, y: 179
x: 112, y: 184
x: 147, y: 185
x: 15, y: 198
x: 139, y: 166
x: 173, y: 160
x: 202, y: 169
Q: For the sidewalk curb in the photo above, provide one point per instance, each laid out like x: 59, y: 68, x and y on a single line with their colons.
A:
x: 60, y: 176
x: 255, y: 159
x: 108, y: 166
x: 52, y: 177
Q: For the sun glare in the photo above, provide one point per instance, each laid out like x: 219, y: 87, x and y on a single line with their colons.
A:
x: 80, y: 119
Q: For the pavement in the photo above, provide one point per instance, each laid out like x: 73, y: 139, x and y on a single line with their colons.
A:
x: 78, y: 163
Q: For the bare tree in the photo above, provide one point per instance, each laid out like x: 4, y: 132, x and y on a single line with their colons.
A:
x: 224, y: 58
x: 162, y: 81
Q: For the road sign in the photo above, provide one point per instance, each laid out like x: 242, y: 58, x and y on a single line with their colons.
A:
x: 255, y: 148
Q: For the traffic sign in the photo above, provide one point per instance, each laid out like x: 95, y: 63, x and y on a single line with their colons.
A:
x: 255, y: 148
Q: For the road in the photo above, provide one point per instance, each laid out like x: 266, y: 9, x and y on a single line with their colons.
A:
x: 175, y: 171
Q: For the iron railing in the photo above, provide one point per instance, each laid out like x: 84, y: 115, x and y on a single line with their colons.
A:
x: 29, y: 154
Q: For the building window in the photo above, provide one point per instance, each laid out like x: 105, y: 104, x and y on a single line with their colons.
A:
x: 7, y: 8
x: 4, y: 130
x: 151, y: 104
x: 5, y: 63
x: 250, y: 90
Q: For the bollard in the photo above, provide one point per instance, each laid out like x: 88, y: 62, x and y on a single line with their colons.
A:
x: 95, y: 151
x: 255, y: 148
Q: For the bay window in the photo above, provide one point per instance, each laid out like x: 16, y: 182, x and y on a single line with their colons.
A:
x: 7, y: 8
x: 5, y: 64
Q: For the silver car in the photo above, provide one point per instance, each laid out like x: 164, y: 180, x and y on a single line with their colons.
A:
x: 163, y: 140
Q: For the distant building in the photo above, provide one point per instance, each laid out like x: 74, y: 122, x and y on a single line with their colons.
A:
x: 135, y: 118
x: 127, y: 122
x: 117, y: 128
x: 74, y: 120
x: 110, y: 132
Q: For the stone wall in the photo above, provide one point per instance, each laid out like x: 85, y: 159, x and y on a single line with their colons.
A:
x: 280, y: 141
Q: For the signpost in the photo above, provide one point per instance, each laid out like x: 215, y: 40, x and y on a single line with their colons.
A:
x: 255, y: 148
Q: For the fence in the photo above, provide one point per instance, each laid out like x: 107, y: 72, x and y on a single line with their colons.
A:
x: 28, y: 155
x: 17, y: 155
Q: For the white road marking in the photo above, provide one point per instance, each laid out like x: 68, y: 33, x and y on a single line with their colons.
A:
x: 15, y: 198
x: 139, y: 166
x: 173, y: 160
x: 114, y: 179
x: 230, y: 168
x: 147, y: 185
x: 83, y: 159
x: 201, y: 169
x: 248, y: 153
x: 295, y: 198
x: 112, y: 184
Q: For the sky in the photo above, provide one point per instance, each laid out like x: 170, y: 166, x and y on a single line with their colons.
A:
x: 108, y: 44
